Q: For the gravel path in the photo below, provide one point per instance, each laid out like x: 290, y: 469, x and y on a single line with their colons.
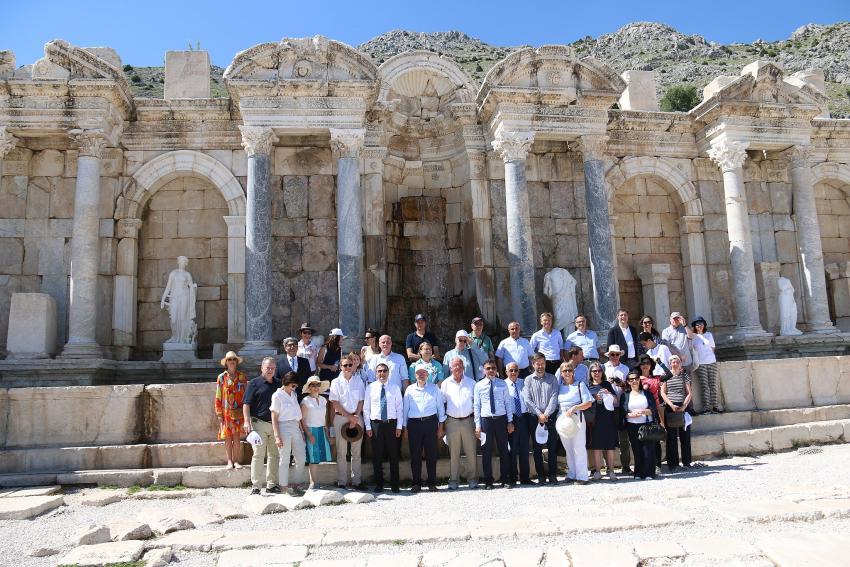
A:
x: 698, y: 493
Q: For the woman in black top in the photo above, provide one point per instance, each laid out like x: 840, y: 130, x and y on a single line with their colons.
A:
x: 638, y: 408
x: 327, y: 361
x: 603, y: 434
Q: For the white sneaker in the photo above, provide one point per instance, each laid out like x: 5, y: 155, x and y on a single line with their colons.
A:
x: 612, y: 476
x: 597, y: 475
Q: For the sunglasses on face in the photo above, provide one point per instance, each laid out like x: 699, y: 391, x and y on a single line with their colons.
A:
x: 382, y: 370
x: 306, y: 332
x: 349, y: 365
x: 567, y: 371
x: 513, y: 370
x: 232, y: 360
x: 313, y: 386
x: 596, y: 370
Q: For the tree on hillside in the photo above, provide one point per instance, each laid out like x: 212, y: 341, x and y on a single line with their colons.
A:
x: 680, y: 98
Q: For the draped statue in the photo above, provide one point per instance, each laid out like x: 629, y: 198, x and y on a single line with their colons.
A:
x: 179, y: 298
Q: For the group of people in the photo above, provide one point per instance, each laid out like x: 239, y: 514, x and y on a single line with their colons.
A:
x: 515, y: 399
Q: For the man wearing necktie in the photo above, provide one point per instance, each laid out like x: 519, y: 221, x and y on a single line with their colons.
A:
x: 291, y: 362
x: 524, y: 424
x: 493, y: 409
x: 472, y: 355
x: 382, y: 410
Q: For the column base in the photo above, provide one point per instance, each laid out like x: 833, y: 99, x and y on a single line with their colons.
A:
x: 77, y: 350
x: 256, y: 350
x: 179, y: 352
x: 826, y: 328
x: 748, y: 333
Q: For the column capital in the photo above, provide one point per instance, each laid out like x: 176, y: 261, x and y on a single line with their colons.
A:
x: 235, y: 225
x: 690, y: 224
x: 799, y: 155
x: 128, y: 228
x: 347, y: 142
x: 89, y: 141
x: 512, y: 145
x: 593, y: 146
x: 7, y: 142
x: 729, y: 155
x: 653, y: 273
x: 257, y: 139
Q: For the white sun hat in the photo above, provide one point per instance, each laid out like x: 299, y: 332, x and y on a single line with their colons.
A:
x: 254, y: 439
x: 566, y: 426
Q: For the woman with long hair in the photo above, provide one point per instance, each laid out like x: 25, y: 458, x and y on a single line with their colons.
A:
x: 706, y: 372
x: 327, y: 361
x: 638, y: 407
x: 603, y: 434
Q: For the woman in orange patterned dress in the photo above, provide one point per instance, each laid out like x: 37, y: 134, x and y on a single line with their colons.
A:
x: 229, y: 391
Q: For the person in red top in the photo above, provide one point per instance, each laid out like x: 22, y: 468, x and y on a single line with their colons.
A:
x: 651, y: 383
x: 229, y: 391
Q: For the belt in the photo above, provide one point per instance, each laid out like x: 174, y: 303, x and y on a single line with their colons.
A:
x: 461, y: 418
x: 427, y: 418
x: 383, y: 420
x: 260, y: 419
x: 495, y: 416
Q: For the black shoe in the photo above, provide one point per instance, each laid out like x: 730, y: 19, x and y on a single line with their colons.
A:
x: 526, y: 482
x: 273, y: 490
x: 433, y: 488
x: 362, y: 487
x: 488, y: 486
x: 255, y: 491
x: 395, y: 490
x: 626, y: 470
x: 416, y: 489
x: 507, y: 485
x: 581, y: 482
x: 378, y: 489
x: 672, y: 469
x: 553, y: 481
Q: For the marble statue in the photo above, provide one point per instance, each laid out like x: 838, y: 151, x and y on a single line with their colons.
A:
x: 787, y: 308
x: 179, y: 298
x: 560, y: 287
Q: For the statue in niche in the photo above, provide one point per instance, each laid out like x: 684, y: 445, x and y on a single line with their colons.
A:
x: 560, y: 287
x: 787, y: 308
x: 179, y: 298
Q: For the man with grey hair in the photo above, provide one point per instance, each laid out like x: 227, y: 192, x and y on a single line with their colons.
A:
x: 256, y: 410
x: 394, y: 361
x: 678, y: 337
x: 291, y: 362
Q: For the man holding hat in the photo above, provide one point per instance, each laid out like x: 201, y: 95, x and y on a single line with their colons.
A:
x: 472, y: 356
x: 540, y: 394
x: 421, y: 334
x: 292, y: 362
x: 256, y: 408
x: 382, y: 411
x: 347, y: 396
x: 617, y: 372
x: 478, y: 338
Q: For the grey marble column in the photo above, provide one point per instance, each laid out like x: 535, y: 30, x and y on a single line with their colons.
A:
x: 347, y: 145
x: 606, y: 297
x: 514, y: 147
x: 730, y: 157
x: 809, y: 242
x: 259, y: 340
x: 85, y: 248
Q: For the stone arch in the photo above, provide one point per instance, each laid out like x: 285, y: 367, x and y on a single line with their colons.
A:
x: 831, y: 171
x: 637, y: 166
x: 412, y: 67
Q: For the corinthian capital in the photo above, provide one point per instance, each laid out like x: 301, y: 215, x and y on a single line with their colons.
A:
x: 728, y: 155
x: 90, y: 142
x: 511, y: 145
x: 7, y: 142
x: 257, y: 140
x: 593, y: 147
x: 347, y: 142
x: 799, y: 156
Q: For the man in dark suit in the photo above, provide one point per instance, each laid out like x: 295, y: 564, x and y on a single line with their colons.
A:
x: 625, y: 336
x: 291, y: 362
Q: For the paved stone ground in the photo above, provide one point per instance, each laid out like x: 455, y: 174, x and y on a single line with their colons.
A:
x: 782, y: 509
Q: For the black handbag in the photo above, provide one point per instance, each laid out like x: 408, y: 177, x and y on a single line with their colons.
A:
x: 651, y: 432
x: 589, y: 414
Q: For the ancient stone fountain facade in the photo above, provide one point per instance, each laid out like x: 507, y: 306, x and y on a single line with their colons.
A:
x: 329, y: 190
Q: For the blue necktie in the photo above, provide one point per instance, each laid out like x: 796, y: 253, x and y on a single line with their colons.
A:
x: 492, y: 397
x: 383, y: 403
x: 517, y: 403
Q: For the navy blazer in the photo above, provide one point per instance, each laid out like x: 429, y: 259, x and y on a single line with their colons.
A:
x: 302, y: 374
x: 615, y: 336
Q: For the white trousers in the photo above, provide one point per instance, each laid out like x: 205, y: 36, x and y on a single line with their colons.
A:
x: 293, y: 444
x: 576, y: 452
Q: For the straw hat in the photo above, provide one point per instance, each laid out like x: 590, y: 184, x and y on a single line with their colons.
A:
x: 323, y: 384
x: 231, y: 354
x: 351, y: 434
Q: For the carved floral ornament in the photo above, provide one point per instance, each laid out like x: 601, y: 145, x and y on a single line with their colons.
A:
x: 347, y: 142
x: 800, y: 156
x: 7, y: 142
x: 729, y: 155
x: 512, y: 145
x: 89, y: 141
x: 257, y: 140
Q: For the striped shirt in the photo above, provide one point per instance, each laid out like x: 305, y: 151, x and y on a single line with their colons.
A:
x: 676, y: 388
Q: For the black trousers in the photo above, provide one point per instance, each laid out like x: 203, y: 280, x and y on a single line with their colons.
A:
x: 551, y: 445
x: 552, y: 367
x: 644, y: 452
x: 422, y: 435
x: 496, y: 429
x: 384, y: 442
x: 523, y: 372
x: 523, y: 426
x: 675, y: 436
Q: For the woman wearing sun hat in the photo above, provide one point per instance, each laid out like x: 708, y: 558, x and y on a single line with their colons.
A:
x: 229, y: 392
x: 313, y: 406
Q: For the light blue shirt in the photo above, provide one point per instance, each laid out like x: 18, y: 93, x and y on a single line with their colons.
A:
x: 586, y: 341
x: 549, y: 344
x: 518, y: 388
x: 573, y: 395
x: 423, y: 402
x: 582, y: 374
x: 434, y: 368
x: 478, y: 358
x: 481, y: 400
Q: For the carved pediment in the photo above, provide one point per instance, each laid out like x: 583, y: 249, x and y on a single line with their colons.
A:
x: 63, y: 60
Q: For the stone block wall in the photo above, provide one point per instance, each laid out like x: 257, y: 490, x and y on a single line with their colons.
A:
x: 833, y: 205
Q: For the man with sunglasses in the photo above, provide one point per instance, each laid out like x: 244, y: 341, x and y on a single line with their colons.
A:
x: 291, y: 362
x: 382, y: 411
x: 347, y: 396
x: 524, y: 424
x: 473, y: 357
x: 616, y: 372
x: 306, y: 347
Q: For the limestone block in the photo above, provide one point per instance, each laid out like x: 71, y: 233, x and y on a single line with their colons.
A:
x: 829, y: 380
x: 754, y: 441
x: 258, y: 538
x: 658, y: 549
x: 199, y: 516
x: 321, y: 197
x: 826, y: 431
x: 32, y: 326
x: 781, y: 383
x: 104, y: 553
x: 129, y: 530
x: 260, y: 506
x: 302, y: 161
x: 28, y: 506
x: 319, y: 253
x: 92, y: 535
x: 47, y: 163
x: 194, y: 540
x: 789, y: 436
x: 640, y: 93
x: 187, y: 74
x: 11, y: 256
x: 823, y: 550
x: 736, y: 385
x: 157, y: 557
x: 167, y: 407
x: 164, y: 522
x: 786, y: 246
x: 704, y: 446
x: 359, y: 497
x: 324, y: 497
x: 201, y: 223
x: 101, y: 497
x: 293, y: 199
x: 587, y: 555
x: 44, y: 552
x: 205, y: 477
x: 275, y: 556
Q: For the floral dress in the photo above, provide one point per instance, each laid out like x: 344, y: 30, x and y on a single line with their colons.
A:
x: 229, y: 392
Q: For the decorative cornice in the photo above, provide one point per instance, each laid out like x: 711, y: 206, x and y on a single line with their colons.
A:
x: 90, y: 142
x: 729, y: 155
x: 593, y: 147
x: 347, y: 142
x: 511, y: 145
x: 257, y: 140
x: 7, y: 142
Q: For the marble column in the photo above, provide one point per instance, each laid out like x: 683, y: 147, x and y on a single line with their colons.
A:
x: 513, y: 148
x: 374, y: 237
x: 235, y: 278
x: 125, y: 288
x: 656, y: 293
x: 85, y: 248
x: 808, y: 239
x: 606, y: 297
x: 483, y: 277
x: 259, y: 341
x: 347, y: 144
x: 730, y: 157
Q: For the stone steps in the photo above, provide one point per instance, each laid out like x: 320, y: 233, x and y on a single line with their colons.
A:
x: 737, y: 420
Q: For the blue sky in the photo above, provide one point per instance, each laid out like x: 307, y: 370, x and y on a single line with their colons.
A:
x: 142, y: 32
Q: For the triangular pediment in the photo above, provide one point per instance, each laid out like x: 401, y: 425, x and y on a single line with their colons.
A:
x: 65, y: 61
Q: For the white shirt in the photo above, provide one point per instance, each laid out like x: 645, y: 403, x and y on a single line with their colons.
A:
x: 372, y: 404
x: 630, y: 342
x: 663, y: 353
x: 398, y: 367
x: 704, y: 345
x: 286, y: 406
x: 515, y: 350
x: 458, y: 397
x: 637, y: 402
x: 620, y: 371
x: 308, y: 351
x: 313, y: 410
x: 347, y: 392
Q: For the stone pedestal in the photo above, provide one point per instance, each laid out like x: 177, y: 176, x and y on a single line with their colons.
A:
x: 640, y: 93
x: 601, y: 249
x: 32, y: 326
x: 767, y: 276
x: 258, y: 144
x: 656, y: 295
x: 730, y: 157
x: 187, y: 74
x: 85, y: 248
x: 839, y: 283
x: 179, y: 352
x: 514, y: 147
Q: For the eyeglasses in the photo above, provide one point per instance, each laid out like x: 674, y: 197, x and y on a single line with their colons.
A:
x: 646, y: 322
x: 313, y: 386
x: 349, y: 365
x: 633, y: 378
x: 596, y: 370
x: 568, y: 371
x: 381, y: 370
x: 306, y: 332
x: 232, y: 359
x: 614, y: 354
x: 368, y: 337
x: 489, y: 368
x: 513, y: 369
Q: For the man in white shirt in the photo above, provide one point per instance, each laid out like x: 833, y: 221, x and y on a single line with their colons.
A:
x: 514, y: 349
x: 347, y: 395
x: 306, y: 347
x: 656, y: 352
x: 394, y: 361
x: 524, y: 424
x: 550, y: 343
x: 617, y: 372
x: 382, y: 410
x: 457, y: 392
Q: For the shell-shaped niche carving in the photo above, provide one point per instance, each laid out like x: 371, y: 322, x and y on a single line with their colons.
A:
x: 420, y: 82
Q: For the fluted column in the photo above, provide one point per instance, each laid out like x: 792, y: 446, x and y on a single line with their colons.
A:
x: 347, y: 144
x: 85, y: 248
x: 599, y: 240
x: 514, y: 147
x: 809, y: 243
x: 730, y: 157
x: 259, y: 341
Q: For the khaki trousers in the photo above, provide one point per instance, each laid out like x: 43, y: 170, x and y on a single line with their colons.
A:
x: 267, y: 449
x: 343, y: 476
x: 460, y: 434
